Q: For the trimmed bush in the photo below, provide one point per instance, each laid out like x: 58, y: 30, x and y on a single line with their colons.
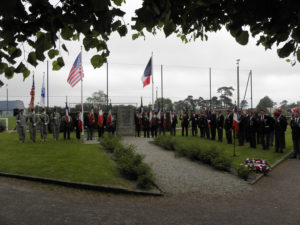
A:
x: 145, y: 181
x: 110, y: 141
x: 243, y: 171
x: 208, y: 154
x: 2, y: 127
x: 221, y: 162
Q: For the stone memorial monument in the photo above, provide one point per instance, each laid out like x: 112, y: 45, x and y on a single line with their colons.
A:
x: 125, y: 121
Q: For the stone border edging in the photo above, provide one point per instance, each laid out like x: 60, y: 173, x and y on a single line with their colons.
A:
x: 272, y: 167
x: 84, y: 186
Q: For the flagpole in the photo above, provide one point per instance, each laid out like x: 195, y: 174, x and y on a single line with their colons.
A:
x: 47, y: 84
x: 162, y: 88
x: 209, y: 88
x: 81, y: 94
x: 152, y: 79
x: 107, y: 83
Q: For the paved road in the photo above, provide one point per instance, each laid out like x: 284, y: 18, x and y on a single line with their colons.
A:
x: 274, y: 200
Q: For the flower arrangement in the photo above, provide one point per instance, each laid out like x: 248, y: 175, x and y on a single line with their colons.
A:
x: 257, y: 165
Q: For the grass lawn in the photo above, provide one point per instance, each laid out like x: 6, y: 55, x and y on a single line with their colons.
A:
x: 11, y: 122
x: 64, y: 160
x: 242, y: 152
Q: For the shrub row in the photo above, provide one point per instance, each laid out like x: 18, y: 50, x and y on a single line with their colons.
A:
x: 207, y: 154
x: 129, y: 163
x: 2, y: 127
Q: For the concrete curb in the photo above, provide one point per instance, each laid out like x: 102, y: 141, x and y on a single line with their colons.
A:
x: 84, y: 186
x: 272, y: 167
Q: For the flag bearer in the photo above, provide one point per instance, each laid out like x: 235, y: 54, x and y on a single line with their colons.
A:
x: 220, y: 125
x: 194, y: 119
x: 55, y: 121
x: 90, y: 124
x: 66, y: 124
x: 145, y: 120
x: 228, y: 126
x: 44, y: 121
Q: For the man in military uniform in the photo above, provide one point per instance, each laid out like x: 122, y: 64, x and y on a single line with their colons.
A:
x: 228, y: 126
x: 33, y: 120
x: 173, y: 124
x: 280, y: 126
x: 55, y: 121
x: 90, y: 124
x: 162, y: 124
x: 264, y: 129
x: 207, y: 124
x: 154, y: 125
x: 242, y: 127
x: 138, y: 123
x: 145, y: 121
x: 21, y: 125
x: 220, y: 125
x: 113, y: 124
x: 213, y: 125
x: 66, y: 125
x: 201, y: 124
x: 44, y: 121
x: 78, y: 125
x: 185, y: 123
x: 194, y: 119
x: 252, y: 128
x: 295, y: 125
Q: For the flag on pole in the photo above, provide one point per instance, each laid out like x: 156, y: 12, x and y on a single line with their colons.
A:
x: 164, y: 120
x: 91, y: 116
x: 150, y: 116
x: 80, y: 124
x: 67, y: 113
x: 109, y: 117
x: 294, y: 109
x: 76, y: 72
x: 207, y: 117
x: 158, y: 111
x: 147, y: 73
x: 43, y: 94
x: 235, y: 123
x: 141, y: 108
x: 100, y: 116
x: 32, y: 94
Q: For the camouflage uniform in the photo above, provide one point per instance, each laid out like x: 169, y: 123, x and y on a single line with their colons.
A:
x: 55, y: 121
x: 33, y: 120
x: 21, y: 126
x: 44, y: 121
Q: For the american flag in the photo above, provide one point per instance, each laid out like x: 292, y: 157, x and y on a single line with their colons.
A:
x: 76, y: 72
x: 32, y: 93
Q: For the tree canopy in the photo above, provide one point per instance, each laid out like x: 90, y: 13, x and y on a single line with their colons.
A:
x: 41, y: 25
x: 266, y: 104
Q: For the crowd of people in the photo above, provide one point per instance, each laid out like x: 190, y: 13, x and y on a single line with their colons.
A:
x: 56, y: 123
x: 254, y: 128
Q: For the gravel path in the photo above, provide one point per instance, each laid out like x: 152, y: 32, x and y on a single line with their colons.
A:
x: 180, y: 175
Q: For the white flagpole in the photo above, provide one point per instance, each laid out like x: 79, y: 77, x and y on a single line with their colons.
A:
x: 152, y: 80
x: 82, y: 95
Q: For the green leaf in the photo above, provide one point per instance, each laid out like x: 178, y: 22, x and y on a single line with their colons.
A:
x: 122, y: 30
x: 169, y: 28
x: 243, y: 38
x: 135, y: 36
x: 21, y: 67
x: 52, y: 53
x: 65, y: 48
x: 9, y: 72
x: 298, y: 55
x: 286, y: 50
x: 26, y: 73
x: 32, y: 59
x: 97, y: 61
x: 60, y: 61
x: 3, y: 66
x: 118, y: 2
x: 66, y: 33
x: 55, y: 66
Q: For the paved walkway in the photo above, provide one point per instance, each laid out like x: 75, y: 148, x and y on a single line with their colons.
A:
x: 181, y: 175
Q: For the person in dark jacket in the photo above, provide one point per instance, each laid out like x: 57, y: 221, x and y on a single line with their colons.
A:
x: 242, y: 127
x: 252, y: 128
x: 154, y: 125
x: 280, y: 127
x: 145, y: 120
x: 213, y: 125
x: 138, y: 123
x: 220, y: 125
x: 295, y: 125
x: 185, y: 123
x: 228, y: 126
x: 194, y: 119
x: 173, y: 124
x: 78, y: 125
x: 202, y: 122
x: 264, y: 124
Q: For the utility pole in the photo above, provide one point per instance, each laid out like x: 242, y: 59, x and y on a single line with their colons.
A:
x: 209, y: 88
x: 47, y: 85
x: 238, y: 82
x: 6, y: 99
x: 162, y: 89
x: 251, y: 90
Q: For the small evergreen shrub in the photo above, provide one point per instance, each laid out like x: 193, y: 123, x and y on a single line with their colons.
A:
x: 243, y: 171
x: 109, y: 142
x: 221, y: 162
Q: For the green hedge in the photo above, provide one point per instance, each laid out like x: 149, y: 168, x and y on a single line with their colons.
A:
x: 129, y: 163
x: 208, y: 154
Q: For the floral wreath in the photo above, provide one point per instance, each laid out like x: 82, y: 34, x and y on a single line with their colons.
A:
x: 257, y: 165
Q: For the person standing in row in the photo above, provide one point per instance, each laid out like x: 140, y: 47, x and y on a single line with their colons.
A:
x: 207, y: 124
x: 100, y: 122
x: 173, y: 124
x: 242, y: 127
x: 194, y: 119
x: 21, y: 125
x: 145, y: 121
x: 280, y: 127
x: 202, y: 123
x: 220, y: 125
x: 162, y: 123
x: 55, y: 121
x: 66, y: 124
x: 228, y: 126
x: 264, y: 129
x: 154, y: 124
x: 44, y: 121
x: 138, y: 123
x: 295, y: 125
x: 78, y: 125
x: 252, y: 128
x: 90, y: 124
x: 185, y: 123
x: 213, y: 125
x: 33, y: 120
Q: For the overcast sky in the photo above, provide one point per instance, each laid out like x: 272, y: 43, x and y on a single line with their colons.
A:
x: 185, y: 70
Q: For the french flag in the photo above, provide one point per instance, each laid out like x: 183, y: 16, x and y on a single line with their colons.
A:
x: 147, y: 73
x: 100, y: 116
x: 67, y: 113
x: 150, y: 116
x: 158, y: 111
x: 171, y: 116
x: 207, y: 117
x: 235, y: 123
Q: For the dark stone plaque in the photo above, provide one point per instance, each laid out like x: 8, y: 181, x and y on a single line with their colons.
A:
x: 125, y: 121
